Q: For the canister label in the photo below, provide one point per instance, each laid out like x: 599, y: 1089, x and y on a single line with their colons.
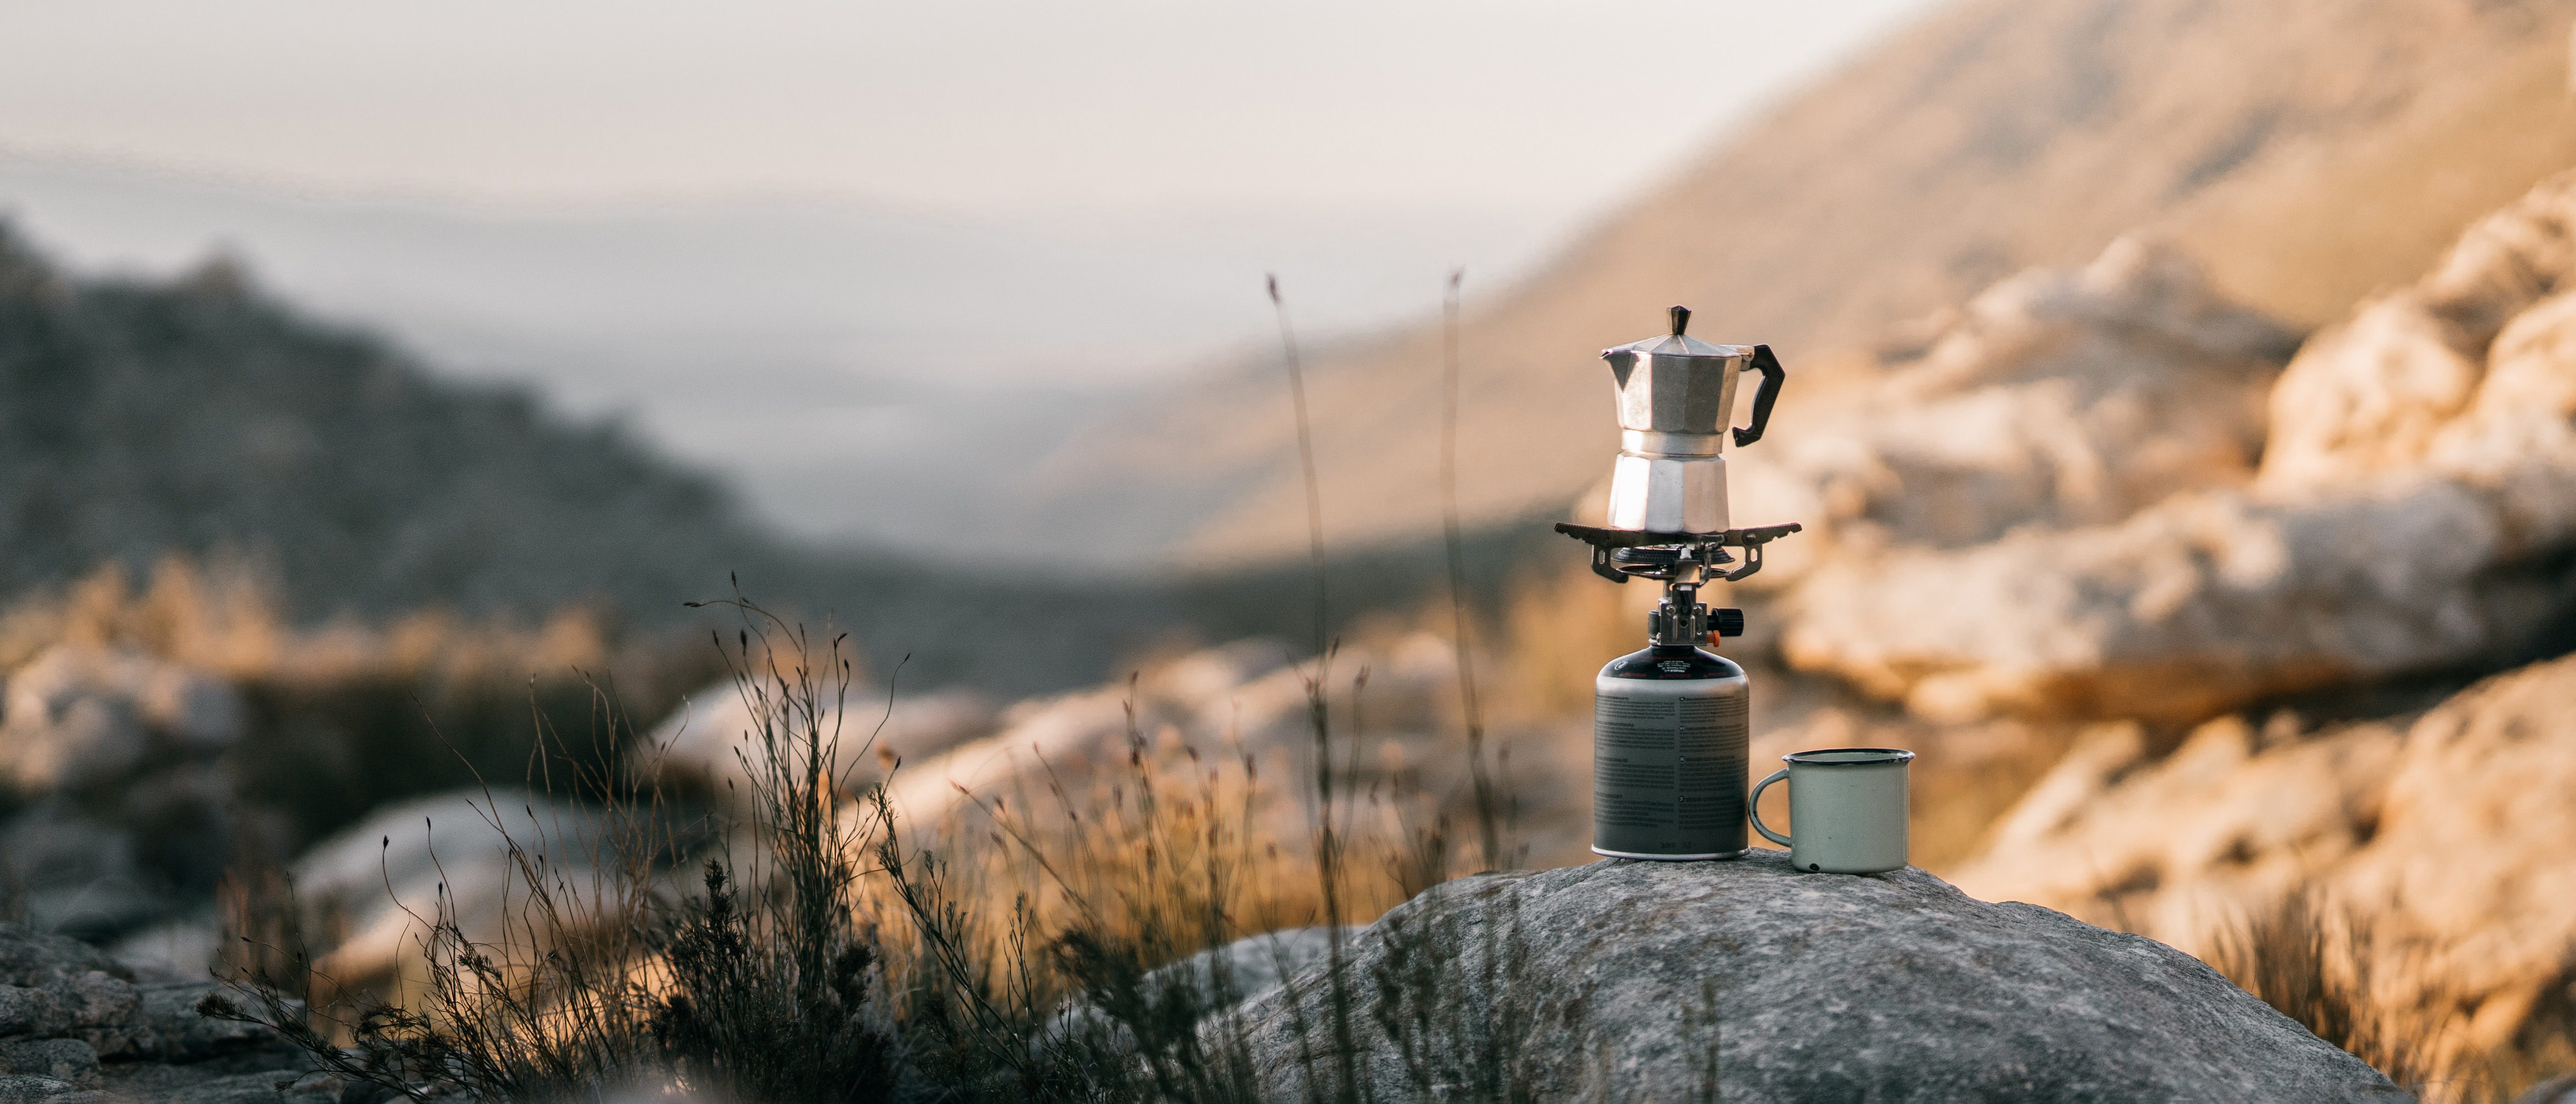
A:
x: 1669, y: 768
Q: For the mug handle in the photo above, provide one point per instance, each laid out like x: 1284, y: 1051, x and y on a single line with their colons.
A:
x: 1753, y: 805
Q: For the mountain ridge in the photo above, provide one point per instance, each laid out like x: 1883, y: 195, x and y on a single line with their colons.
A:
x: 204, y: 418
x: 1996, y: 135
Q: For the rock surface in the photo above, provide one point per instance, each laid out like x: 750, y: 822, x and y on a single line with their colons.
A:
x: 2417, y: 492
x: 1246, y: 969
x: 77, y: 1027
x: 2057, y: 397
x: 1252, y: 966
x: 2556, y: 1090
x: 2445, y: 835
x: 1612, y: 981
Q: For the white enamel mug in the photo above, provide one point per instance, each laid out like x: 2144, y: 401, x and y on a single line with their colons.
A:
x: 1847, y: 807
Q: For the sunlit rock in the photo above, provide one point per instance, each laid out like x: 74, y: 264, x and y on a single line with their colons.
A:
x: 2418, y: 485
x: 2442, y: 838
x: 2058, y: 397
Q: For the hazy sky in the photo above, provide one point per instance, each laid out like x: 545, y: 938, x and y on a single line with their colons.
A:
x: 1009, y: 214
x: 1528, y: 111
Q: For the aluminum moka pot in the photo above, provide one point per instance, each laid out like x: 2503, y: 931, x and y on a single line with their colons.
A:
x: 1676, y: 407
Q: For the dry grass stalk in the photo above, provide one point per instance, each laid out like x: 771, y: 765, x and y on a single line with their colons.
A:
x: 2324, y: 964
x: 1489, y: 811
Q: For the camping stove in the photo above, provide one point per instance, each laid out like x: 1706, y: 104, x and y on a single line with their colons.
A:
x: 1671, y: 723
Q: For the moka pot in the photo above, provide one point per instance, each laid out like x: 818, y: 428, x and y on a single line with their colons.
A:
x: 1676, y: 398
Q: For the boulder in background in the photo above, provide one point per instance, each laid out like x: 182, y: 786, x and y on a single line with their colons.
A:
x: 2415, y: 509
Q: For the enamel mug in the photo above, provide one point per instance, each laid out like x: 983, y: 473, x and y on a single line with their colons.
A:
x: 1847, y: 806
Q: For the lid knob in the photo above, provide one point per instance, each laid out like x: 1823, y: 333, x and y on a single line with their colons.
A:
x: 1681, y: 320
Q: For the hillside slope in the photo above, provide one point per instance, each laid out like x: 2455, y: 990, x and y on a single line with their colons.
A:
x: 198, y: 416
x: 202, y: 417
x: 1997, y: 135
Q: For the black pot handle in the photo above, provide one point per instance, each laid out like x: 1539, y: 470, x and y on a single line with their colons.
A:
x: 1772, y: 376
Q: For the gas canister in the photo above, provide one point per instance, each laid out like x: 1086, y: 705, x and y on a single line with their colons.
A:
x: 1669, y: 747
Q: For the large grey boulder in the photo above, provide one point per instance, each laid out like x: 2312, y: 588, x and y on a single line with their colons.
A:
x: 1246, y: 969
x: 1653, y: 981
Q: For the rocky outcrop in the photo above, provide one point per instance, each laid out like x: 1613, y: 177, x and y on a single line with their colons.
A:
x: 2198, y: 605
x: 2416, y: 499
x: 2463, y: 373
x: 2058, y: 397
x: 1748, y: 980
x: 1903, y: 184
x: 2442, y: 837
x: 124, y: 815
x: 77, y: 1027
